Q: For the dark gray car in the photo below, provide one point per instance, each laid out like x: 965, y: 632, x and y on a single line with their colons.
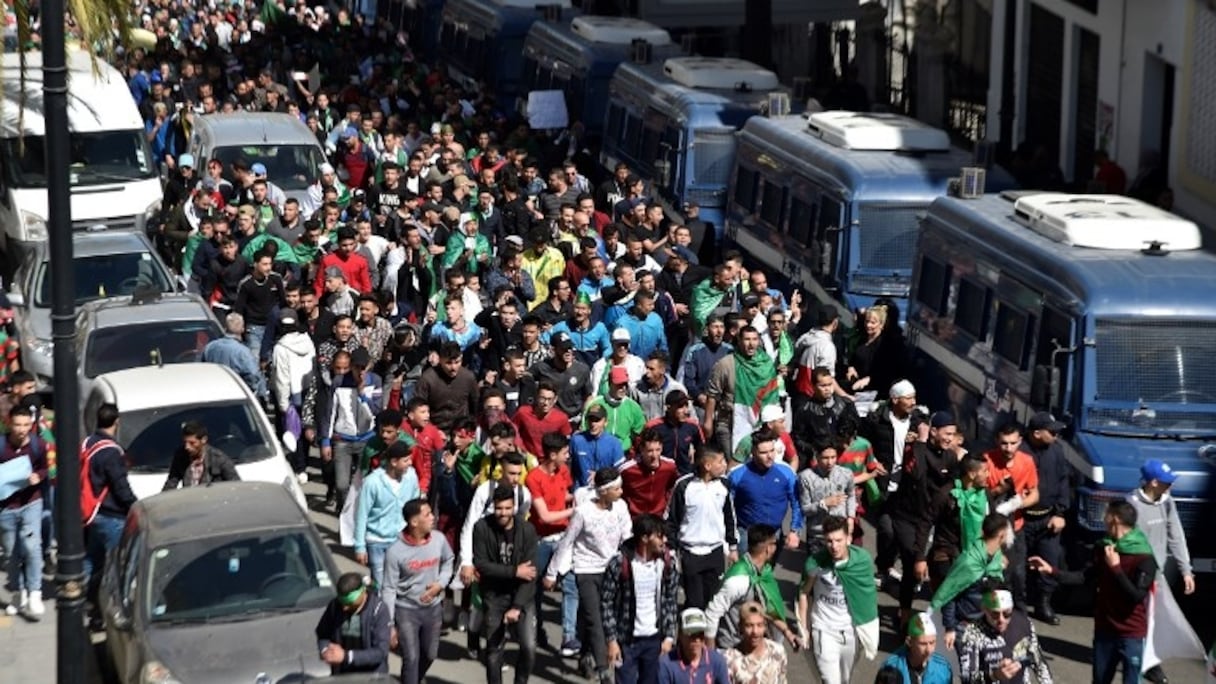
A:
x: 217, y: 584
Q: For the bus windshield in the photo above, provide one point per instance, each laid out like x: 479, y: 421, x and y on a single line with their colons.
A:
x: 887, y: 238
x: 1165, y: 368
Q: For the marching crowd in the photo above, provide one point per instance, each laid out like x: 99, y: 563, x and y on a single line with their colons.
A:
x: 521, y: 382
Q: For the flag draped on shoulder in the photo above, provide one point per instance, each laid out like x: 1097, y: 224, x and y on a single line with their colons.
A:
x: 756, y: 386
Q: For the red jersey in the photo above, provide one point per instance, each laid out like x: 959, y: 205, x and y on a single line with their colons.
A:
x: 428, y: 440
x: 532, y: 428
x: 553, y: 490
x: 648, y: 491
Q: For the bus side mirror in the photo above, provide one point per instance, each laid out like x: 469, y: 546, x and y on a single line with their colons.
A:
x: 1045, y: 387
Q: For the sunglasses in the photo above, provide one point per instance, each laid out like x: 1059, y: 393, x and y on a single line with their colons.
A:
x: 1000, y: 614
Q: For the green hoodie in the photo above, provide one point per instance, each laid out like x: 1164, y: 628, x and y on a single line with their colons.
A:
x: 973, y: 565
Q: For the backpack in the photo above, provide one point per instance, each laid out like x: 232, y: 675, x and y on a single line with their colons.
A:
x: 90, y: 501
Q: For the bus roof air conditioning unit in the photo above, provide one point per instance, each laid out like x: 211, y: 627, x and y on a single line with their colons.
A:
x: 1105, y: 222
x: 640, y: 51
x: 618, y: 30
x: 778, y: 104
x: 971, y: 182
x: 550, y: 13
x: 719, y: 73
x: 878, y: 132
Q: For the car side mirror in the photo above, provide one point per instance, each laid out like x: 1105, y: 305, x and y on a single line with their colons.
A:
x: 16, y: 299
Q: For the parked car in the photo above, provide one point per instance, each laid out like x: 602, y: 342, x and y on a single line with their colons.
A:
x: 105, y: 264
x: 154, y: 402
x: 280, y: 142
x: 141, y: 330
x: 216, y: 585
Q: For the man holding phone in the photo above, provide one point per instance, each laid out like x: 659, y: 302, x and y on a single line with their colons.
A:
x: 1003, y: 646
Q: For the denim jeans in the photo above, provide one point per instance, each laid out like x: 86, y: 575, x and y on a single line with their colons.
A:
x: 346, y: 456
x: 21, y: 537
x: 418, y: 639
x: 375, y: 560
x: 254, y: 334
x: 544, y: 554
x: 496, y: 631
x: 1111, y: 650
x: 100, y: 538
x: 640, y: 661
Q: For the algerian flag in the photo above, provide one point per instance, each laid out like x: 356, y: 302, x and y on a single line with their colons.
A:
x: 756, y: 386
x: 1170, y: 636
x: 705, y: 298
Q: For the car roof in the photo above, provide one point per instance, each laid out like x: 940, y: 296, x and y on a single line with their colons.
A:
x: 118, y: 311
x: 145, y: 387
x: 220, y: 509
x: 255, y: 128
x: 87, y: 244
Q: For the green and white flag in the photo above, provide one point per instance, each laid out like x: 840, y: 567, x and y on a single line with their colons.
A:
x: 756, y: 386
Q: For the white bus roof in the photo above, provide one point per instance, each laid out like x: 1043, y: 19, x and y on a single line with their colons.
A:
x: 1105, y: 222
x: 618, y: 30
x: 97, y: 101
x: 720, y: 73
x: 879, y: 132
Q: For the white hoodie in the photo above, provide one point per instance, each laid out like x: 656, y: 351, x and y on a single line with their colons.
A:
x: 294, y: 354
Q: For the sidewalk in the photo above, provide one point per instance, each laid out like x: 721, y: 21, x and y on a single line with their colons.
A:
x: 28, y: 649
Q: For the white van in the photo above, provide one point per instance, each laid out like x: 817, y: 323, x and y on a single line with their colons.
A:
x: 114, y: 179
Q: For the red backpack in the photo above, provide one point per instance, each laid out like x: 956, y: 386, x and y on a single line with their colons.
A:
x: 90, y: 501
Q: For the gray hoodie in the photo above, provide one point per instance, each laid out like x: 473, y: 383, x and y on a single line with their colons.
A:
x: 1160, y: 523
x: 410, y: 567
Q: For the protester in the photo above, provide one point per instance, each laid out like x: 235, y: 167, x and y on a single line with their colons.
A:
x: 691, y: 657
x: 353, y: 633
x: 417, y: 567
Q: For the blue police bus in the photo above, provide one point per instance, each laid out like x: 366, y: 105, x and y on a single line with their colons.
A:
x: 483, y: 41
x: 580, y: 57
x: 1098, y: 308
x: 675, y: 122
x: 832, y: 201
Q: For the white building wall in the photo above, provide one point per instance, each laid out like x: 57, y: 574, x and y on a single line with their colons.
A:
x: 1129, y: 31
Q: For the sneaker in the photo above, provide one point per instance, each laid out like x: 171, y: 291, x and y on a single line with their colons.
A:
x: 34, y: 608
x: 462, y: 621
x: 571, y: 647
x: 586, y: 665
x: 895, y: 575
x: 302, y: 477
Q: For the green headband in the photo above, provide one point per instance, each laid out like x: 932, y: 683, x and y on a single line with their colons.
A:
x: 997, y: 599
x: 352, y: 598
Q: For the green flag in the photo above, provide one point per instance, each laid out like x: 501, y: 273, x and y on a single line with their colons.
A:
x: 756, y: 386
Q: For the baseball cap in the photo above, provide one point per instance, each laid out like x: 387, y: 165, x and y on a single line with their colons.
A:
x: 186, y: 160
x: 516, y: 240
x: 596, y: 412
x: 693, y: 621
x: 562, y: 341
x: 751, y: 299
x: 676, y: 397
x: 618, y: 376
x: 1045, y: 421
x: 1156, y: 469
x: 621, y: 335
x: 287, y: 319
x: 334, y: 272
x: 942, y: 419
x: 770, y: 413
x: 258, y: 169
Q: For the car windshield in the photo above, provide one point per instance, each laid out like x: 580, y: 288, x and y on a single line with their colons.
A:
x: 96, y: 159
x: 150, y: 436
x: 236, y: 577
x: 1164, y: 367
x: 291, y: 167
x: 106, y: 275
x: 132, y: 346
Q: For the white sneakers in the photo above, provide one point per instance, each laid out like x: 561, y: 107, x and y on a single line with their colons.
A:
x: 16, y: 604
x: 302, y: 478
x: 34, y: 608
x: 27, y: 603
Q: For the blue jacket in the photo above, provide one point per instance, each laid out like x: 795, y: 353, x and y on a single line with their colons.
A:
x: 764, y: 497
x: 589, y: 454
x: 591, y: 344
x: 645, y: 335
x: 379, y: 513
x: 231, y: 352
x: 375, y: 632
x: 937, y: 670
x: 699, y: 359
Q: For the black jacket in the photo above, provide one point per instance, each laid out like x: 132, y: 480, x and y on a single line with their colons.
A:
x: 108, y: 468
x: 682, y: 292
x: 815, y: 422
x: 499, y: 585
x: 876, y: 427
x: 374, y: 635
x: 217, y: 467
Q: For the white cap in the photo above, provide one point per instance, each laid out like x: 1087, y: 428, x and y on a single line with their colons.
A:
x: 326, y: 168
x: 771, y: 412
x: 620, y: 335
x: 901, y: 389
